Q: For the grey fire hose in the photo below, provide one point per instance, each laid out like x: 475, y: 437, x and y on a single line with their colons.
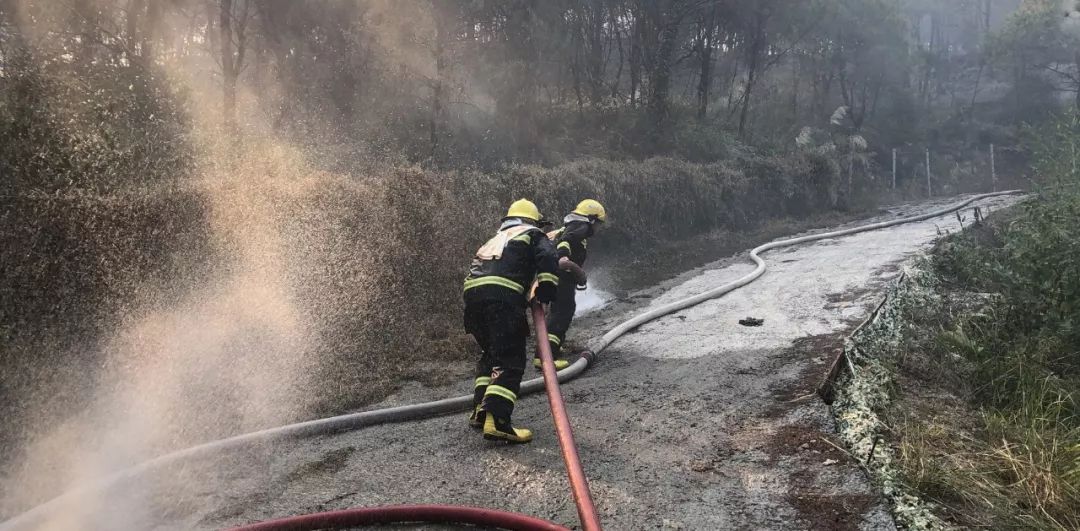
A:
x: 352, y: 421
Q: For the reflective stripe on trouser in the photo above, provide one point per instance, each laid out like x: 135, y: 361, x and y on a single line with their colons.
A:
x: 502, y: 330
x: 479, y: 388
x: 561, y: 313
x: 499, y: 400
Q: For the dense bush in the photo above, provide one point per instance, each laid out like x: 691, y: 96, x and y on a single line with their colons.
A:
x: 374, y: 265
x: 1029, y: 260
x: 101, y: 127
x: 1025, y: 349
x: 386, y: 293
x: 93, y: 218
x: 73, y: 265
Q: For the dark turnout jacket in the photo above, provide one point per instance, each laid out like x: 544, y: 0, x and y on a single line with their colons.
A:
x: 506, y: 266
x: 571, y: 240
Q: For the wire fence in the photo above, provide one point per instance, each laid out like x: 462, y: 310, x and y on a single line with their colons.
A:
x: 922, y: 169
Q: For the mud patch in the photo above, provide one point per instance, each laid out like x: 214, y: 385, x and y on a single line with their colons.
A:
x: 331, y: 462
x: 849, y: 298
x: 723, y: 450
x: 816, y: 352
x: 831, y: 512
x: 888, y: 269
x: 232, y: 508
x: 795, y: 439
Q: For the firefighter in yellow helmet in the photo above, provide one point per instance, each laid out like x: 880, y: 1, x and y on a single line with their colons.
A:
x: 495, y: 302
x: 571, y: 246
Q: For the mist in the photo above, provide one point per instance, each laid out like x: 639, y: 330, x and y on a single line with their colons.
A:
x: 224, y: 216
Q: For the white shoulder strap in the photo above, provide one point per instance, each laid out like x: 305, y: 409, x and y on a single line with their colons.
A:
x: 493, y: 249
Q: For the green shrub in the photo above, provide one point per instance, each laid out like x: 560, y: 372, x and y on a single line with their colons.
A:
x: 1026, y: 346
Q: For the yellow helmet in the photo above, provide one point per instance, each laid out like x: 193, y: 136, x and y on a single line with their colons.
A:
x: 591, y: 208
x: 523, y: 208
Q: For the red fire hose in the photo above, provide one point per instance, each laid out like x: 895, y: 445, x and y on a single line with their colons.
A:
x: 579, y: 484
x: 452, y: 514
x: 396, y: 514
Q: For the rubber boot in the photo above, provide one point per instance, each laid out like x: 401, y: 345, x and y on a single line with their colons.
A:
x: 560, y: 363
x: 501, y: 430
x: 556, y: 354
x: 476, y: 418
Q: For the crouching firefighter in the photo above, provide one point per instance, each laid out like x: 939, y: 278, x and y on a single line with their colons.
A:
x: 495, y: 308
x: 570, y: 243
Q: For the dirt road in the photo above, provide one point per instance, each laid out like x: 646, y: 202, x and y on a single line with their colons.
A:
x: 692, y: 422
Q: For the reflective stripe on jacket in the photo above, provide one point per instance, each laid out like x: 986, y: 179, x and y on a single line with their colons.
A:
x: 526, y: 255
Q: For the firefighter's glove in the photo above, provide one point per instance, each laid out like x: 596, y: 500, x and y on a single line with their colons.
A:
x: 545, y: 293
x: 566, y: 264
x: 583, y: 286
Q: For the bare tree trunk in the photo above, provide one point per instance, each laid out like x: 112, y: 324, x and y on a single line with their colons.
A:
x: 732, y: 101
x: 593, y: 22
x: 636, y: 57
x: 228, y: 67
x: 1076, y: 61
x: 438, y: 92
x: 142, y: 32
x: 928, y: 66
x: 796, y: 68
x: 619, y: 45
x: 575, y: 71
x: 879, y: 85
x: 232, y: 23
x: 516, y: 101
x: 932, y: 71
x: 131, y: 22
x: 212, y: 15
x: 82, y: 13
x: 345, y: 79
x: 706, y: 44
x: 150, y: 30
x: 751, y: 78
x: 975, y: 91
x: 705, y: 81
x: 660, y: 77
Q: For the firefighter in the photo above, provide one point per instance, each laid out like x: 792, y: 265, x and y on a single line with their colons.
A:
x: 495, y: 303
x: 571, y: 245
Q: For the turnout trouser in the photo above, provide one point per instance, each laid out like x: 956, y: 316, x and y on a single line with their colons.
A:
x: 502, y: 330
x: 561, y: 313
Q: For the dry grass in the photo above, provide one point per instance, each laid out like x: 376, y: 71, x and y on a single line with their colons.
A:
x: 984, y: 427
x: 984, y: 471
